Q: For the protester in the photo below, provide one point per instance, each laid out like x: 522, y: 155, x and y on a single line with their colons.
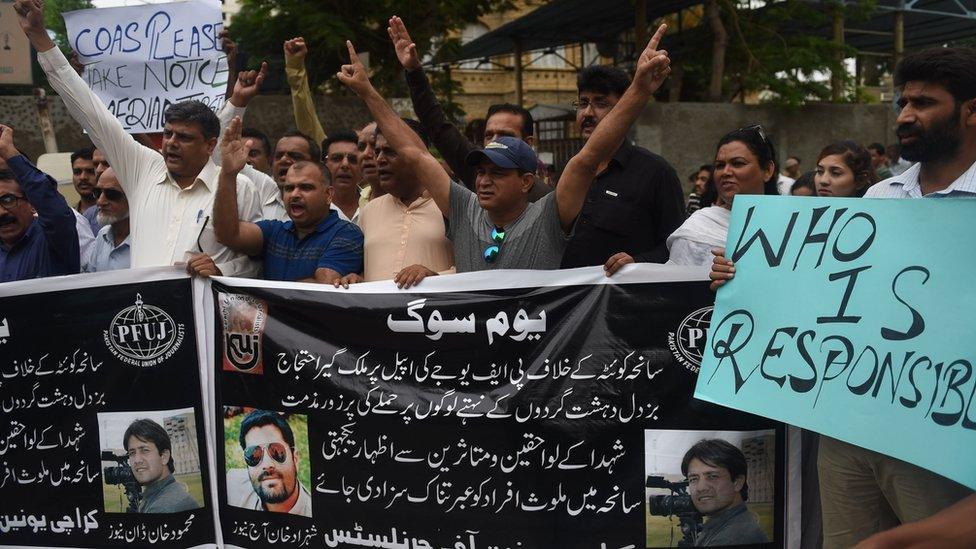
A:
x: 844, y: 169
x: 294, y: 146
x: 700, y: 180
x: 306, y: 119
x: 83, y: 179
x: 112, y: 243
x: 952, y: 527
x: 370, y: 187
x: 259, y: 153
x: 150, y: 454
x: 791, y: 168
x: 504, y: 119
x: 744, y: 164
x: 863, y: 492
x: 718, y: 485
x: 636, y: 200
x: 896, y: 163
x: 804, y: 185
x: 879, y: 161
x: 33, y: 247
x: 498, y: 227
x: 313, y: 246
x: 170, y: 191
x: 340, y: 151
x: 405, y: 237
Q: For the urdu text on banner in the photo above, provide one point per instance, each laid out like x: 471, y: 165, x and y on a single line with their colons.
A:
x: 852, y: 318
x: 141, y: 59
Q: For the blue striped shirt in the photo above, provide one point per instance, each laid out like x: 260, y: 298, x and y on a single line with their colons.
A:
x: 906, y: 185
x: 334, y: 244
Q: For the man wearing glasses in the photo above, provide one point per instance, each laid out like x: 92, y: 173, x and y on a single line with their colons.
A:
x: 635, y: 201
x: 112, y: 242
x: 268, y: 444
x: 33, y: 247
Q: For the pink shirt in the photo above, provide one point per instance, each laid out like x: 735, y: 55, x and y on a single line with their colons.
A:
x: 398, y: 236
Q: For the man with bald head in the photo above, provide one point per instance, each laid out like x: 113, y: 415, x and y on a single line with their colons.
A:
x: 112, y: 250
x: 314, y: 245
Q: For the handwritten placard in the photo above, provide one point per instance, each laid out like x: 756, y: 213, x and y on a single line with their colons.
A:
x: 141, y: 59
x: 852, y: 318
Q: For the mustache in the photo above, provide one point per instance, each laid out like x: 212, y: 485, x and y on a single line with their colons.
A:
x: 588, y: 121
x: 268, y: 474
x: 6, y: 219
x: 906, y: 130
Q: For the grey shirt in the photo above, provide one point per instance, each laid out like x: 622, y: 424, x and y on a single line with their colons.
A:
x: 166, y: 496
x: 535, y: 240
x: 733, y: 526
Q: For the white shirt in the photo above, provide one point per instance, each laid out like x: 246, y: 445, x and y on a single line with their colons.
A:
x: 166, y: 221
x: 907, y: 185
x: 86, y: 239
x: 784, y: 184
x: 271, y: 205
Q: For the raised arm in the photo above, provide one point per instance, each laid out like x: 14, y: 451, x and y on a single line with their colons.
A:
x: 302, y: 103
x: 241, y: 236
x: 653, y: 68
x: 129, y: 159
x: 448, y: 139
x: 408, y: 146
x: 246, y: 87
x: 229, y: 47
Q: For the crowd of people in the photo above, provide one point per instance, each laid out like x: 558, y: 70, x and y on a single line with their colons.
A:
x: 345, y: 206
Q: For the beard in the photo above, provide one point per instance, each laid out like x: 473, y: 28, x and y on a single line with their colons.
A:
x: 268, y: 495
x: 940, y: 142
x: 106, y: 219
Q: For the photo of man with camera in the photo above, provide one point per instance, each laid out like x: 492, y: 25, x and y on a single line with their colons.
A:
x: 718, y: 485
x: 152, y: 466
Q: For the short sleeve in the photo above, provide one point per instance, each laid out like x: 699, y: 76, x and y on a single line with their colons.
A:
x: 550, y: 219
x: 461, y: 204
x: 267, y: 227
x: 345, y: 252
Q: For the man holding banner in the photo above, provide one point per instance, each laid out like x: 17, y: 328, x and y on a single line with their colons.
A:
x: 863, y: 491
x: 170, y: 193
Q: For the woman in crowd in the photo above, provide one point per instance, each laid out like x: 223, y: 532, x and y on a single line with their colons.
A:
x: 844, y: 170
x: 744, y: 164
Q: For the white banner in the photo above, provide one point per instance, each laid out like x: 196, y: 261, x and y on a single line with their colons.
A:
x: 141, y: 59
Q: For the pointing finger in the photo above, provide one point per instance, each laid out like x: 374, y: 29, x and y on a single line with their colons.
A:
x: 353, y: 58
x: 656, y: 39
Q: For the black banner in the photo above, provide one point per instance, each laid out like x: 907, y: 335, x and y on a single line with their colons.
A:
x: 513, y: 413
x: 98, y: 375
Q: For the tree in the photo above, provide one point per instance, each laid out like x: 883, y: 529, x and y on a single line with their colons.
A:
x: 262, y: 26
x: 55, y: 22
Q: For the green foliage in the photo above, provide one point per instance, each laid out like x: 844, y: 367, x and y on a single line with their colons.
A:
x: 55, y: 22
x: 263, y: 25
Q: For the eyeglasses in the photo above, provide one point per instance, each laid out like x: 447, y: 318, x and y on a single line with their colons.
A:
x: 10, y: 200
x: 337, y: 157
x: 253, y: 455
x: 583, y: 104
x: 492, y: 251
x: 110, y: 194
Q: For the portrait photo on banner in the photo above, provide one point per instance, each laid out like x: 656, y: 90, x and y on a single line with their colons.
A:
x: 709, y: 488
x: 150, y: 461
x: 266, y: 457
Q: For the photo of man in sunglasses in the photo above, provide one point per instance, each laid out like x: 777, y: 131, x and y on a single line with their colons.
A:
x: 272, y: 463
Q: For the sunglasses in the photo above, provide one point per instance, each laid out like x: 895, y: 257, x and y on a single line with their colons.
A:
x: 9, y: 200
x: 759, y: 131
x: 492, y: 251
x: 110, y: 194
x: 336, y: 158
x: 253, y: 455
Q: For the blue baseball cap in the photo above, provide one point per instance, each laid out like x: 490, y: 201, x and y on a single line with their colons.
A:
x: 506, y: 152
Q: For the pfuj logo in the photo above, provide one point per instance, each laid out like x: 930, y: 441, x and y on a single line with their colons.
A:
x: 143, y: 335
x: 688, y: 343
x: 243, y: 318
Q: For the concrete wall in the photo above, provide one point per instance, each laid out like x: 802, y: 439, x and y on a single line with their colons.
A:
x: 683, y: 133
x: 686, y: 133
x: 272, y: 114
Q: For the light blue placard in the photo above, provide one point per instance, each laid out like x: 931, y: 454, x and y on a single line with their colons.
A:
x: 857, y: 320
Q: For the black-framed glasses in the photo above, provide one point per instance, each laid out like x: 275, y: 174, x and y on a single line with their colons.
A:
x: 491, y: 252
x: 253, y: 455
x: 10, y: 200
x: 336, y: 158
x: 113, y: 195
x: 200, y: 234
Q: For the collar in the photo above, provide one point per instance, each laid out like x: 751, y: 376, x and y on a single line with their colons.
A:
x: 208, y: 175
x: 158, y: 486
x: 108, y: 235
x: 909, y: 181
x: 623, y: 154
x: 418, y: 202
x: 331, y: 219
x: 720, y: 519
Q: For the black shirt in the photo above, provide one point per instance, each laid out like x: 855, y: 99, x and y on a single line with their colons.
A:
x: 632, y: 206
